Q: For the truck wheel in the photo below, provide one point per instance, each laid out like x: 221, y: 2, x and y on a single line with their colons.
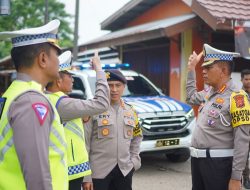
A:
x: 180, y: 155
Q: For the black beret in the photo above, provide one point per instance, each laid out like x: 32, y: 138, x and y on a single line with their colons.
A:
x: 115, y: 75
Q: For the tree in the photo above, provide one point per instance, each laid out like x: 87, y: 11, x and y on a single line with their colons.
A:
x: 27, y: 13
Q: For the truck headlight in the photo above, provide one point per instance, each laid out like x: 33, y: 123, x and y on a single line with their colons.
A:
x: 190, y: 114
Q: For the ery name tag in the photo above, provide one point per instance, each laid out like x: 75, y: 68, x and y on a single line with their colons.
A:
x: 167, y: 142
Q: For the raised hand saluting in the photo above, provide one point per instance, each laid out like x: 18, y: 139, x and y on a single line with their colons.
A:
x: 95, y: 62
x: 193, y: 60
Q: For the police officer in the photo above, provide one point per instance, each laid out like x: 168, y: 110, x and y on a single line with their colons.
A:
x: 78, y: 163
x: 245, y: 79
x: 32, y: 141
x: 113, y: 140
x: 221, y: 137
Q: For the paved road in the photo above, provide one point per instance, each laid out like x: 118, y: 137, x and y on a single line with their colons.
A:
x: 157, y: 173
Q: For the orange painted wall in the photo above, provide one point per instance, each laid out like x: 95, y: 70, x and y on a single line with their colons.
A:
x: 198, y: 41
x: 198, y: 47
x: 199, y: 38
x: 175, y: 60
x: 167, y: 8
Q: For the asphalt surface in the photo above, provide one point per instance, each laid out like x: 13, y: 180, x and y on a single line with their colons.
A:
x: 157, y: 173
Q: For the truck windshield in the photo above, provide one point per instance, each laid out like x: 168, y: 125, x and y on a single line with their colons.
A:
x: 136, y: 86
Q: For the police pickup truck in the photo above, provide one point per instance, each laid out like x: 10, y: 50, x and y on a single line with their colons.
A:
x: 166, y: 123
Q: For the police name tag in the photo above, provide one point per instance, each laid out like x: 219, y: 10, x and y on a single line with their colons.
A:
x: 2, y: 102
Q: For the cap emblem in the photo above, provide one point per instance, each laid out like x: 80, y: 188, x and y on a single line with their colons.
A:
x: 108, y: 75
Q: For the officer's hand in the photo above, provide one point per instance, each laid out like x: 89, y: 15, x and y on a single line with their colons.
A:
x: 87, y: 186
x: 95, y: 62
x: 193, y: 60
x: 234, y: 184
x: 85, y: 119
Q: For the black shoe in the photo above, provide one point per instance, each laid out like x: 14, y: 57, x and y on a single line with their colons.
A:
x: 246, y: 184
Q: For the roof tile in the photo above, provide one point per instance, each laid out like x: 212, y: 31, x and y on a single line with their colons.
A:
x: 228, y: 9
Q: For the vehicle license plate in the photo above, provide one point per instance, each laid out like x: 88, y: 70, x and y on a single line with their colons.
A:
x: 167, y: 142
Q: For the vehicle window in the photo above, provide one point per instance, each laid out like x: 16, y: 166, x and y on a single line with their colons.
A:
x: 136, y: 86
x: 92, y: 81
x: 78, y: 90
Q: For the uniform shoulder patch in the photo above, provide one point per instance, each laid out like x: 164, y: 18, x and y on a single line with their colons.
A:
x: 239, y: 109
x: 2, y: 103
x: 41, y: 111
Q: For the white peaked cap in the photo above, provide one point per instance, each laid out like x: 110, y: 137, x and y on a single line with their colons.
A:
x: 212, y: 55
x: 30, y: 36
x: 65, y: 61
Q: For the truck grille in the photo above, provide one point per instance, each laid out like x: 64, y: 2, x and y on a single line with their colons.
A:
x: 156, y: 125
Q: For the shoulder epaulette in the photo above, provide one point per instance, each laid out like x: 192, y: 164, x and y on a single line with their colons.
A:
x: 128, y: 104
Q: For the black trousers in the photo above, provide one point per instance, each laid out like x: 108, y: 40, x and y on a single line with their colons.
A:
x: 114, y: 181
x: 75, y: 184
x: 211, y: 173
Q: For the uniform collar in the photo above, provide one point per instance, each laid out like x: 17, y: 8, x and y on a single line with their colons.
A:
x: 224, y: 87
x: 26, y: 78
x: 23, y: 77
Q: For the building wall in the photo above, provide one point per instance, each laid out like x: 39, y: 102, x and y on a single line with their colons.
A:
x: 199, y: 37
x: 175, y: 71
x: 165, y: 9
x: 186, y: 50
x: 151, y: 61
x: 171, y: 75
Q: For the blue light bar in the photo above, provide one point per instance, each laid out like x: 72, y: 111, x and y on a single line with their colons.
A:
x: 83, y: 66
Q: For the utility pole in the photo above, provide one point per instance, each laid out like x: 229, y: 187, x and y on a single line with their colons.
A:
x: 46, y: 14
x: 75, y: 48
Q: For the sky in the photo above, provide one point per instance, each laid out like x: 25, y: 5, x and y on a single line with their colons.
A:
x: 91, y: 14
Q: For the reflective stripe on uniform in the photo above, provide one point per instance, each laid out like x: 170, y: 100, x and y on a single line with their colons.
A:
x: 5, y: 131
x: 5, y: 149
x: 70, y: 126
x: 57, y: 150
x: 9, y: 164
x: 58, y: 136
x: 78, y: 168
x: 78, y: 165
